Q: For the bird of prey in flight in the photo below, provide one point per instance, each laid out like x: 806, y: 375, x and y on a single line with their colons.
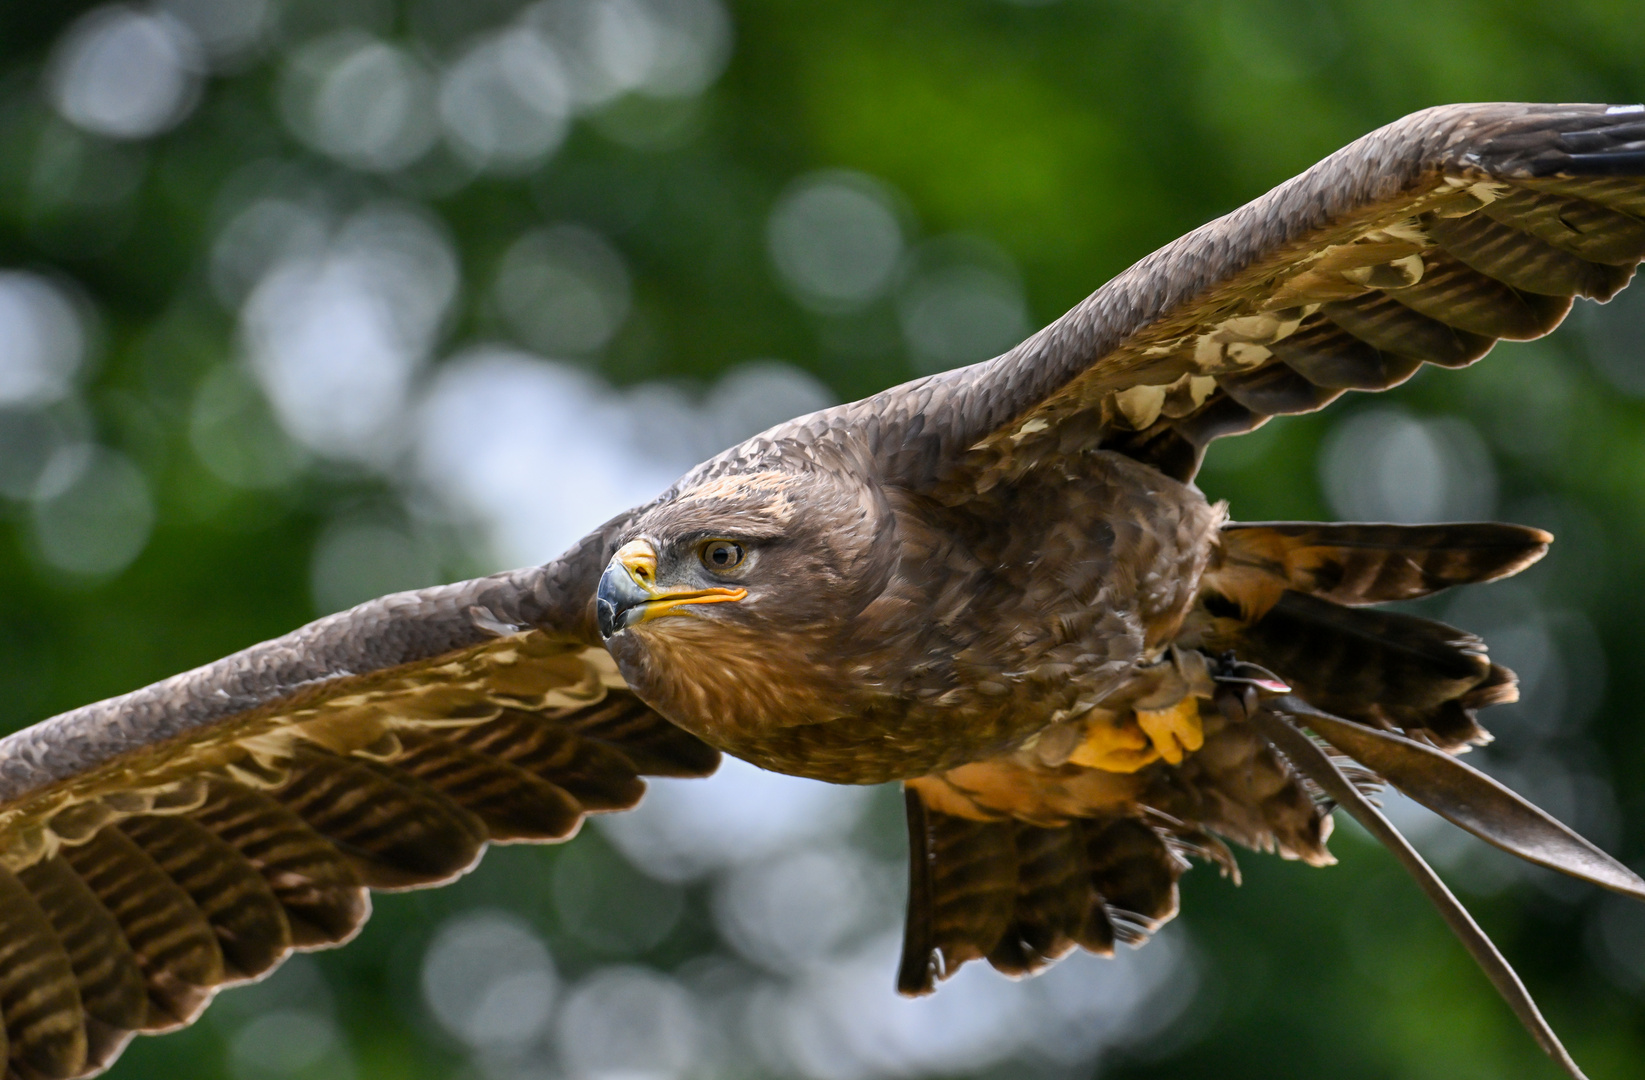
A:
x: 997, y: 586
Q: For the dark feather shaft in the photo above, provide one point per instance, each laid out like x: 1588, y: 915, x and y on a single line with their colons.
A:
x: 1471, y: 800
x: 1318, y: 766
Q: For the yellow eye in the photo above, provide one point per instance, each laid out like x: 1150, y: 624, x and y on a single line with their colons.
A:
x: 721, y: 555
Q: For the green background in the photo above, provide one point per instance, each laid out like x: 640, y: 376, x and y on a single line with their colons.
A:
x: 1073, y: 137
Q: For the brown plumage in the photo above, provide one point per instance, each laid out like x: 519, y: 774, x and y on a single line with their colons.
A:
x: 997, y: 585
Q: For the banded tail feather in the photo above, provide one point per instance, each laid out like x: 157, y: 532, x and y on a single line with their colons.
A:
x: 1292, y: 596
x: 1382, y: 668
x: 1356, y: 564
x: 1423, y: 243
x: 1394, y: 694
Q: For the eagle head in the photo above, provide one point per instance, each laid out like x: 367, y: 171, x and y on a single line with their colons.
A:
x: 726, y: 606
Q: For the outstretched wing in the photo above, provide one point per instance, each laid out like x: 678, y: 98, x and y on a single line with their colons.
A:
x: 158, y: 846
x: 1423, y: 242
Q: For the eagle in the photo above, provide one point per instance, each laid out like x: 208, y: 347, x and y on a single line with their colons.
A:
x: 997, y: 586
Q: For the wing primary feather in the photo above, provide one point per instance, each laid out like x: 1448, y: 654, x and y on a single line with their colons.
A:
x: 599, y: 777
x: 398, y: 832
x: 1611, y: 163
x: 1217, y: 299
x: 367, y: 649
x: 1277, y: 390
x: 1380, y: 667
x: 325, y: 901
x: 112, y: 994
x: 175, y: 947
x: 655, y: 746
x: 1456, y: 295
x: 514, y: 804
x: 594, y: 775
x: 1330, y: 357
x: 1528, y: 205
x: 39, y: 996
x: 1390, y: 326
x: 148, y: 904
x: 1523, y: 261
x: 1350, y: 563
x: 1220, y: 417
x: 1586, y: 229
x: 1471, y: 800
x: 1626, y: 195
x: 249, y: 922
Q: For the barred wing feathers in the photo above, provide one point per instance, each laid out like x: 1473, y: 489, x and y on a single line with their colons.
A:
x: 1424, y: 242
x: 159, y: 846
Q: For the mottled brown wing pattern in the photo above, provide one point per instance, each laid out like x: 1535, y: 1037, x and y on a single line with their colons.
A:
x: 1423, y: 243
x: 132, y: 892
x: 1467, y: 278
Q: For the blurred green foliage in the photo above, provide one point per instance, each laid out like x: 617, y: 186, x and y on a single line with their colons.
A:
x: 1074, y: 135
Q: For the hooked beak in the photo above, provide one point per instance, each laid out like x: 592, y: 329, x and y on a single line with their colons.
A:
x: 628, y: 591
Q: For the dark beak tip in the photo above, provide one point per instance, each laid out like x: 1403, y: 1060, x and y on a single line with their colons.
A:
x: 616, y: 596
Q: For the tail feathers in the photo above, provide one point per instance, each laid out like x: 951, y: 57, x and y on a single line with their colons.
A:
x: 1021, y: 896
x: 1380, y: 667
x: 1365, y: 564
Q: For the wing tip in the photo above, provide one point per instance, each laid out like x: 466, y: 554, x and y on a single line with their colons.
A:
x: 1621, y: 162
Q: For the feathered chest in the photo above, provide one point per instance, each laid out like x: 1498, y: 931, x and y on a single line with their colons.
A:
x: 1055, y: 579
x: 996, y: 618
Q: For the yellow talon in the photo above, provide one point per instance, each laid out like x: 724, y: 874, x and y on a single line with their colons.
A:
x: 1174, y: 731
x: 1115, y: 746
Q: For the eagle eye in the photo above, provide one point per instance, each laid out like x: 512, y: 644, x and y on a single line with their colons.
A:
x: 721, y: 555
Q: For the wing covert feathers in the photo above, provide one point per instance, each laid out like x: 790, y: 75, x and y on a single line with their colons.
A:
x: 130, y: 895
x: 1423, y: 242
x: 384, y: 646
